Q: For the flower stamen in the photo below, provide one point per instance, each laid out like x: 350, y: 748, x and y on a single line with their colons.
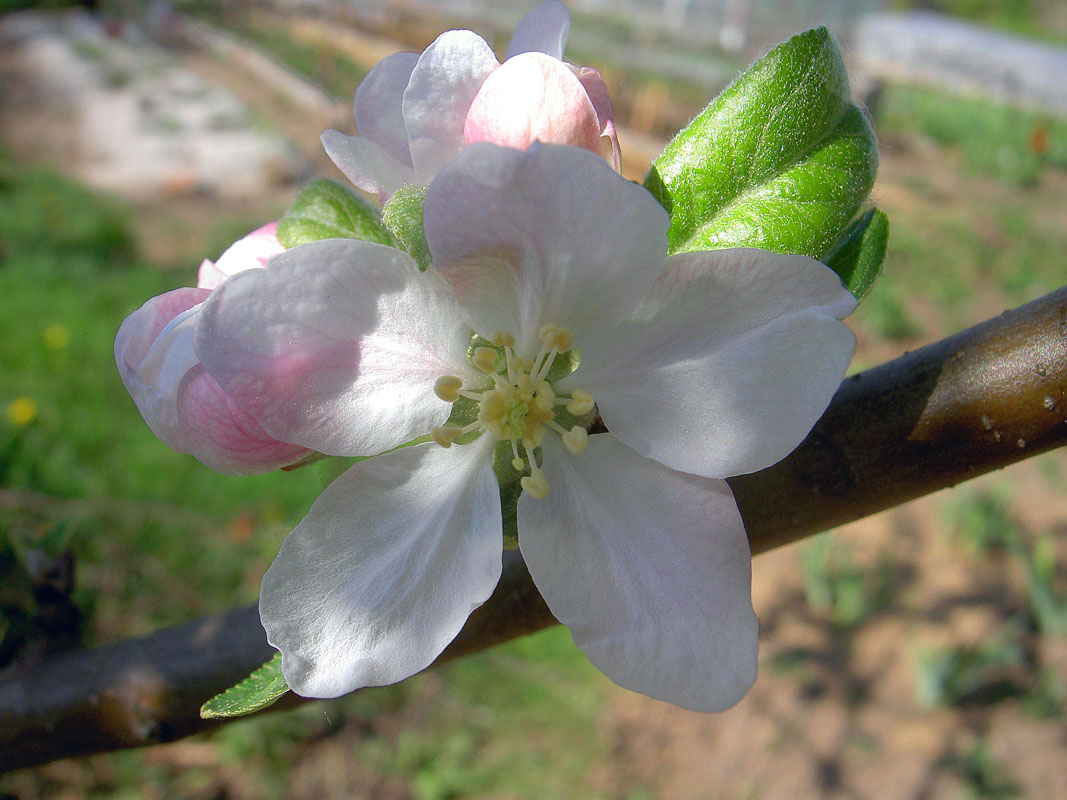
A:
x: 520, y: 406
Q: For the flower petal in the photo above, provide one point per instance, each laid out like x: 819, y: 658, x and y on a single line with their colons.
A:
x: 542, y: 30
x: 444, y: 82
x: 183, y: 406
x: 153, y: 366
x: 597, y: 91
x: 650, y: 570
x: 384, y: 570
x: 727, y: 364
x: 378, y: 105
x: 533, y: 97
x: 249, y: 252
x: 550, y: 234
x: 336, y: 346
x: 367, y: 164
x: 224, y: 437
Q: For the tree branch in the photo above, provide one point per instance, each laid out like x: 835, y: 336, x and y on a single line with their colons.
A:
x: 978, y: 401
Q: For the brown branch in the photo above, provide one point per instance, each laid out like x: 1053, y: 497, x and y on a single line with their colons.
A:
x: 985, y: 398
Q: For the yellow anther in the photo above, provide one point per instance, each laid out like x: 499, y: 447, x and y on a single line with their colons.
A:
x: 447, y: 388
x: 545, y: 398
x: 581, y: 402
x: 561, y: 340
x: 501, y: 339
x: 485, y: 359
x: 576, y: 439
x: 444, y: 435
x: 546, y: 331
x: 518, y: 464
x: 535, y: 484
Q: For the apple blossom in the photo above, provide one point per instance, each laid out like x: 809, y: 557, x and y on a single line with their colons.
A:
x: 702, y: 366
x: 181, y: 403
x: 414, y: 112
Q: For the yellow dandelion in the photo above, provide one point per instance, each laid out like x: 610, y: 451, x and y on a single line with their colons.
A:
x: 56, y: 337
x: 21, y: 411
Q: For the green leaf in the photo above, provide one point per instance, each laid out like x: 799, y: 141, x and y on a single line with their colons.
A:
x: 328, y: 210
x: 781, y: 160
x: 259, y: 690
x: 402, y: 216
x: 858, y: 255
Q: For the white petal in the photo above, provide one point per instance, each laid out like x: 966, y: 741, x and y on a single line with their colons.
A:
x: 444, y: 82
x: 367, y: 164
x: 650, y: 570
x: 154, y: 352
x: 543, y: 30
x: 336, y: 346
x: 727, y: 364
x: 384, y: 570
x: 249, y: 252
x: 379, y: 104
x: 550, y: 234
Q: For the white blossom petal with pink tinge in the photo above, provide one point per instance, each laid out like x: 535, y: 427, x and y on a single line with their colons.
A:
x: 384, y: 570
x: 222, y: 436
x: 444, y: 82
x: 182, y: 405
x: 530, y: 237
x: 650, y: 570
x: 152, y: 369
x: 249, y: 252
x: 367, y: 164
x: 336, y: 346
x: 533, y: 98
x: 727, y: 363
x: 378, y: 105
x: 542, y: 30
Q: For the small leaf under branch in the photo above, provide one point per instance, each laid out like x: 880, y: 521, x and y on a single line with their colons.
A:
x: 259, y: 690
x: 327, y: 210
x: 781, y: 160
x: 858, y: 255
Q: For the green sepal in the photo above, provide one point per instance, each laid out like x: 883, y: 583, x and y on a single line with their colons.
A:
x: 858, y: 255
x: 781, y: 160
x: 259, y: 690
x: 328, y: 210
x: 402, y: 216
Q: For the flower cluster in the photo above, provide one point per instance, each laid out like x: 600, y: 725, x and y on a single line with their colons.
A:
x: 549, y: 313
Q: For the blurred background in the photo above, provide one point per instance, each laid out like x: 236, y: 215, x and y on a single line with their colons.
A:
x: 921, y: 653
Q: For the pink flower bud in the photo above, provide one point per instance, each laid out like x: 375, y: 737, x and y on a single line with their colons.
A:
x: 183, y: 405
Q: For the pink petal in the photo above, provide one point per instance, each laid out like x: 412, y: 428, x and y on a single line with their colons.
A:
x: 183, y: 406
x: 533, y: 97
x: 598, y: 95
x: 250, y: 252
x: 224, y: 437
x: 542, y: 30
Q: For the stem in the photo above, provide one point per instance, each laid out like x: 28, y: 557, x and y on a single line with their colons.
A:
x: 990, y: 396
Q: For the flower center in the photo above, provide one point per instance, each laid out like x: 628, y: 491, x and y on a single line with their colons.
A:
x: 521, y: 406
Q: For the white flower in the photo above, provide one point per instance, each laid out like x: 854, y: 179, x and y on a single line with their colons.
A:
x: 708, y: 365
x: 415, y: 112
